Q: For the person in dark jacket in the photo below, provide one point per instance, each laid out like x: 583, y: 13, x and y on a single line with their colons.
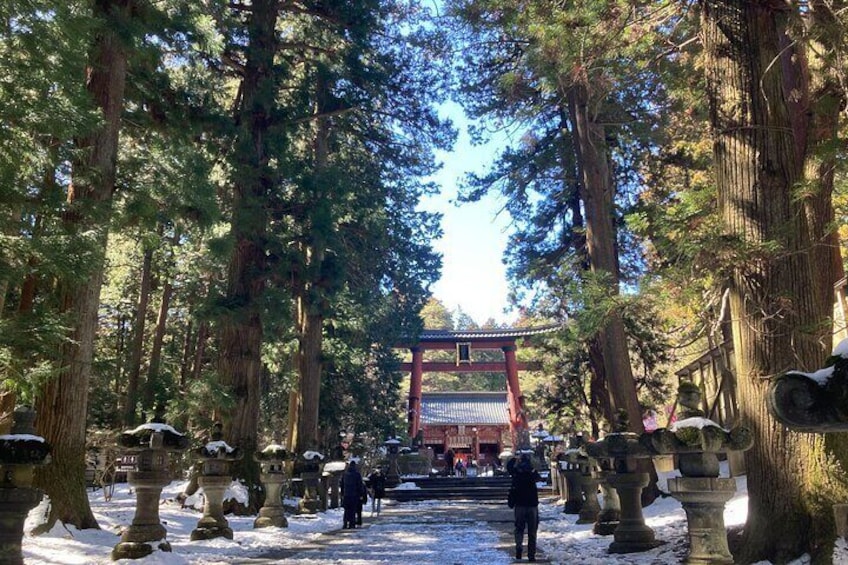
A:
x: 525, y: 497
x: 352, y: 489
x: 449, y: 461
x: 377, y: 483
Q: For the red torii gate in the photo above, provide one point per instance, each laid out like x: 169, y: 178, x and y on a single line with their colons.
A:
x: 463, y: 342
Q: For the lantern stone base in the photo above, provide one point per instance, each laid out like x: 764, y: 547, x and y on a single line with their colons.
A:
x: 146, y: 533
x: 138, y: 550
x: 15, y: 504
x: 213, y: 524
x: 271, y: 518
x: 703, y: 499
x: 632, y: 534
x: 608, y: 521
x: 272, y: 514
x: 589, y: 511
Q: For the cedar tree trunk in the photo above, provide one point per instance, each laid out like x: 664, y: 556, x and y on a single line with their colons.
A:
x: 772, y: 293
x: 63, y: 403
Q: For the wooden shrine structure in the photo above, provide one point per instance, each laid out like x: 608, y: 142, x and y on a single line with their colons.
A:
x: 464, y: 343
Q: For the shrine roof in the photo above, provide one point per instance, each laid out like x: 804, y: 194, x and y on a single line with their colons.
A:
x: 464, y: 408
x: 494, y: 333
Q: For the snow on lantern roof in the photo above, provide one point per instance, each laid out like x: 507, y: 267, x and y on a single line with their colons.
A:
x: 21, y: 437
x: 155, y: 427
x: 274, y: 447
x: 216, y: 446
x: 841, y: 349
x: 696, y: 422
x: 335, y: 466
x: 312, y: 455
x: 820, y: 377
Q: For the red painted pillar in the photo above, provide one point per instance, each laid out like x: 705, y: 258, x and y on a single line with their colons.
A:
x: 414, y: 415
x: 518, y: 419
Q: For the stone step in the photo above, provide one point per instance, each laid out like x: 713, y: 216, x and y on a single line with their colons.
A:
x: 403, y: 495
x: 458, y: 482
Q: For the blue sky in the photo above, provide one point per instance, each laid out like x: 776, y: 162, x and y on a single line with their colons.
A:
x: 475, y: 234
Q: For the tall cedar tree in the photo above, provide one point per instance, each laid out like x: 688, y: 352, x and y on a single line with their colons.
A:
x: 528, y: 70
x: 355, y: 227
x: 252, y: 182
x: 760, y: 156
x: 63, y: 403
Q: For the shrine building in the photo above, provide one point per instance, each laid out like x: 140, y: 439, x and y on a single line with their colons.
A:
x: 475, y: 425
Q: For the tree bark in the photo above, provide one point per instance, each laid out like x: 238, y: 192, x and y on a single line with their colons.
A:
x: 152, y: 381
x: 240, y: 337
x: 310, y: 301
x: 137, y: 351
x: 597, y: 195
x: 772, y: 294
x: 63, y: 403
x: 310, y: 334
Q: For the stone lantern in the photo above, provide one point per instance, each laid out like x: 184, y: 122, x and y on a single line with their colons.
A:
x: 632, y: 533
x: 571, y: 476
x: 272, y: 460
x: 311, y: 476
x: 393, y: 449
x: 587, y: 481
x: 150, y: 444
x: 334, y: 471
x: 610, y: 514
x: 816, y: 403
x: 215, y: 477
x: 697, y: 441
x: 21, y: 452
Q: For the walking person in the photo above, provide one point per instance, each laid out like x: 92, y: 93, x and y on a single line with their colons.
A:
x: 449, y: 461
x: 524, y: 499
x: 377, y: 482
x: 352, y: 488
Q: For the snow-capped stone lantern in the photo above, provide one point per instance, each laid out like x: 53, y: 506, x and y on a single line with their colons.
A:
x: 150, y: 444
x: 215, y: 477
x: 272, y: 461
x: 311, y: 476
x: 815, y: 402
x: 333, y: 471
x: 392, y: 450
x: 21, y: 452
x: 632, y: 533
x: 571, y: 476
x: 587, y: 482
x: 697, y: 441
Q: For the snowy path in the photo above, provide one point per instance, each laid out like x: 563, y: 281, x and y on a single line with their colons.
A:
x: 458, y: 532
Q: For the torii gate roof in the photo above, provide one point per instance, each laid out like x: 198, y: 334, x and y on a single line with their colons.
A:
x: 496, y: 333
x: 482, y: 339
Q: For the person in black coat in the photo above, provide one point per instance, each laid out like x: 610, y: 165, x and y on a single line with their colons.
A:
x: 377, y: 483
x: 524, y: 498
x: 352, y: 489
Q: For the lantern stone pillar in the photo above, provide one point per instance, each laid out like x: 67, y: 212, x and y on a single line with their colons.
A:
x: 20, y: 452
x: 311, y: 476
x: 632, y: 534
x: 273, y: 476
x: 215, y: 477
x: 610, y: 514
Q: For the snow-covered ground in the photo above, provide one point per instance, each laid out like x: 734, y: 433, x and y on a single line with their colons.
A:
x: 460, y: 541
